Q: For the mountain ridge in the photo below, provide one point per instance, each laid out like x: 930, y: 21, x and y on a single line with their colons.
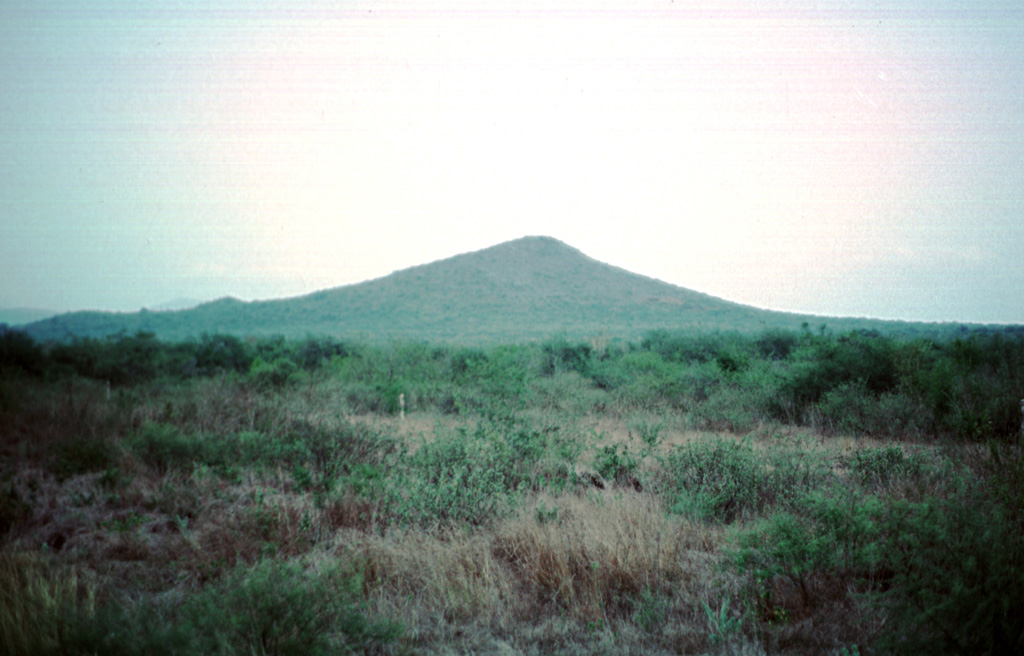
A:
x: 15, y: 316
x: 525, y: 289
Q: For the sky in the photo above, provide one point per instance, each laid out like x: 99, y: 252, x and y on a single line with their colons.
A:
x: 844, y: 157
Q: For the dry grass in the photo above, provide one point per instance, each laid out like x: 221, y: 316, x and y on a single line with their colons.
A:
x: 35, y: 595
x: 566, y: 572
x: 590, y: 552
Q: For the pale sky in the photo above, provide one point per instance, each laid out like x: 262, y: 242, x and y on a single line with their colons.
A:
x: 843, y: 157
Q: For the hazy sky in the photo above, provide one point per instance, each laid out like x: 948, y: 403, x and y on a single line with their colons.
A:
x: 837, y: 157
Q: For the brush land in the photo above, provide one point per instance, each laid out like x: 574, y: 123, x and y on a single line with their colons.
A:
x: 794, y: 492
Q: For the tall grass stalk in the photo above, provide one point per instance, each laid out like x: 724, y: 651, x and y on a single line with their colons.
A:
x: 37, y: 602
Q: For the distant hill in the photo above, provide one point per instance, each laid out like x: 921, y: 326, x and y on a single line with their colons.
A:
x: 175, y: 304
x: 526, y: 289
x: 16, y: 316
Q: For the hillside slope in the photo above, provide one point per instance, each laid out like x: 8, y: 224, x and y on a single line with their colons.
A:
x: 529, y: 288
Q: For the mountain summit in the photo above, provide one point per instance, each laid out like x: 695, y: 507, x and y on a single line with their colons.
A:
x: 528, y: 288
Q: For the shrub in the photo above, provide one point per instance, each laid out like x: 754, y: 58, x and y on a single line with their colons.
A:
x: 81, y: 455
x: 165, y: 448
x: 467, y: 477
x: 272, y: 608
x: 834, y: 536
x: 643, y: 381
x: 717, y: 480
x: 290, y: 447
x: 222, y: 353
x: 796, y: 469
x: 313, y: 352
x: 959, y: 569
x: 726, y: 408
x: 886, y: 464
x: 272, y: 375
x: 648, y: 430
x: 723, y: 480
x: 559, y: 355
x: 612, y: 464
x: 822, y: 364
x: 775, y: 344
x: 567, y: 392
x: 280, y: 608
x: 388, y: 397
x: 19, y: 353
x: 729, y: 349
x: 449, y: 482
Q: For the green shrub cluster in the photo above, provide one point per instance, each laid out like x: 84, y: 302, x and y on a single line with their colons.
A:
x: 468, y: 476
x: 320, y: 456
x: 275, y: 608
x: 133, y: 359
x: 966, y: 387
x: 833, y: 533
x: 948, y: 566
x: 723, y: 480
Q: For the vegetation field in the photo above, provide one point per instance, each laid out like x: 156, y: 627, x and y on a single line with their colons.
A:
x: 793, y: 492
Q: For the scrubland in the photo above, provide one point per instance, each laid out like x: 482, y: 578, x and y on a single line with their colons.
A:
x: 794, y: 493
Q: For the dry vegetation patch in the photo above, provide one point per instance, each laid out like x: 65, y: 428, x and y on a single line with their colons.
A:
x: 567, y: 569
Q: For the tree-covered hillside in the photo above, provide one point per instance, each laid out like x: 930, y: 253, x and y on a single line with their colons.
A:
x: 528, y: 289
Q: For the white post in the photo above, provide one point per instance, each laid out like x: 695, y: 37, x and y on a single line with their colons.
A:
x: 401, y: 405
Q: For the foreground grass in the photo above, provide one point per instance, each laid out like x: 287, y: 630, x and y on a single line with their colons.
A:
x: 215, y: 517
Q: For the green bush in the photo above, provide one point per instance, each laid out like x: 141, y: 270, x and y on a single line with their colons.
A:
x: 885, y: 464
x: 717, y: 480
x: 820, y: 554
x: 81, y: 455
x: 19, y: 354
x: 164, y: 448
x: 775, y: 344
x: 388, y: 398
x: 697, y: 348
x: 313, y: 352
x: 222, y: 353
x: 568, y: 393
x: 959, y: 571
x: 467, y: 476
x: 850, y: 409
x: 272, y: 375
x: 288, y: 448
x: 798, y: 468
x: 272, y: 609
x: 727, y: 407
x: 947, y: 570
x: 559, y: 355
x: 281, y: 608
x: 822, y: 364
x: 722, y: 480
x: 834, y: 535
x: 328, y: 452
x: 450, y: 481
x: 615, y: 463
x: 644, y: 381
